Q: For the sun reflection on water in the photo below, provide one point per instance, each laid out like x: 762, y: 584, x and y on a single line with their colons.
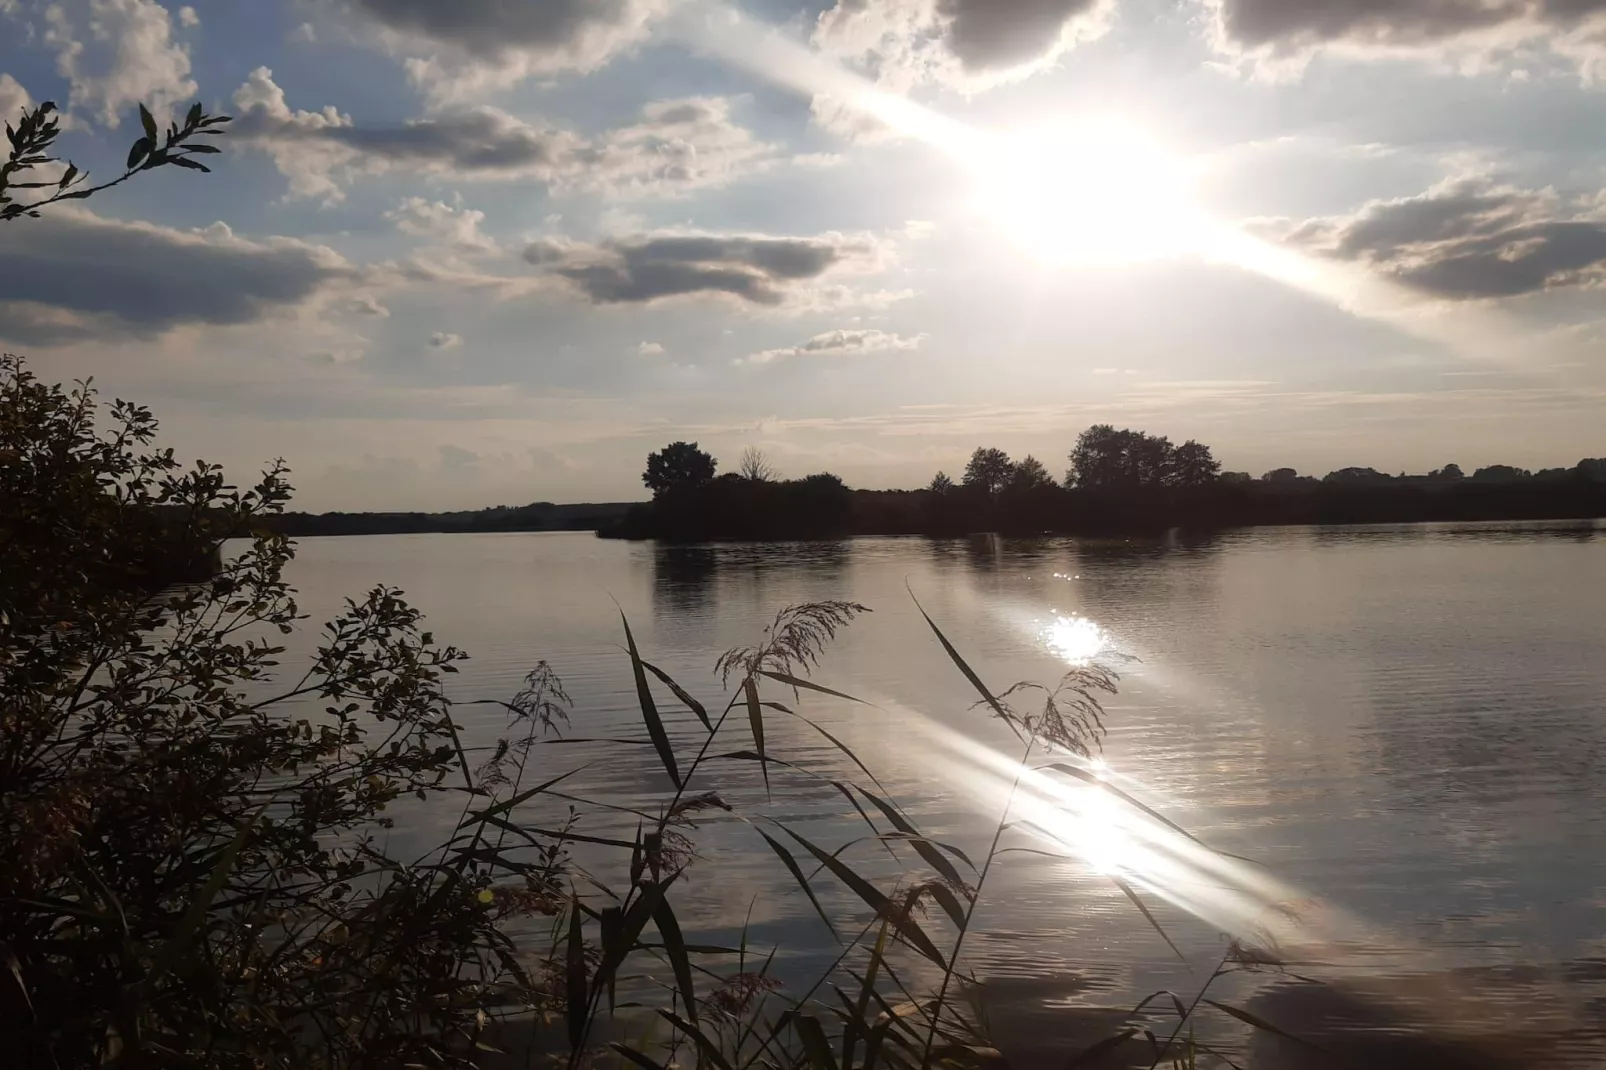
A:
x: 1077, y: 640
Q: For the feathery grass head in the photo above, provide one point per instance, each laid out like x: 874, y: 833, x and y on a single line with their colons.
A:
x: 794, y: 640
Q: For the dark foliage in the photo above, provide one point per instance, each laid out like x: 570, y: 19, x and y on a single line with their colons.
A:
x: 677, y: 468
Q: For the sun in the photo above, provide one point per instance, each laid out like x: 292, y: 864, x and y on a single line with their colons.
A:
x: 1095, y: 190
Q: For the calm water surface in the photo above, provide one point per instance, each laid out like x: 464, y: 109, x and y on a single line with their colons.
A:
x: 1404, y: 726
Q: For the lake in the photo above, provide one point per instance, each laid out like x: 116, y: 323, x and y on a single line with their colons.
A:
x: 1404, y: 728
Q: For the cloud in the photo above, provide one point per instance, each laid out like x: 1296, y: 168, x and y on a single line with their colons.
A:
x: 1468, y: 238
x: 454, y: 458
x: 73, y: 274
x: 364, y: 305
x: 677, y: 146
x: 968, y: 44
x: 13, y: 98
x: 126, y: 56
x: 1287, y: 31
x: 188, y: 17
x: 450, y: 225
x: 445, y: 340
x: 755, y: 269
x: 470, y: 45
x: 650, y: 349
x: 840, y: 343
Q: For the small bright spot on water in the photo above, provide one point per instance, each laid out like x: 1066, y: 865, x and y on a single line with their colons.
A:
x: 1076, y: 639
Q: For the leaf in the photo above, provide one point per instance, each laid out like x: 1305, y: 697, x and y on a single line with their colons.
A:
x: 691, y: 704
x: 793, y: 681
x: 202, y: 147
x: 815, y: 1044
x: 668, y: 928
x: 194, y: 115
x: 649, y: 710
x: 1091, y: 1056
x: 67, y: 176
x: 969, y: 673
x: 147, y: 122
x: 504, y: 807
x: 707, y: 1047
x: 755, y: 718
x: 646, y: 1062
x: 1264, y: 1026
x: 575, y: 977
x: 874, y: 898
x: 1089, y: 778
x: 191, y: 164
x: 923, y: 846
x: 1132, y: 894
x: 140, y: 149
x: 178, y: 945
x: 803, y: 882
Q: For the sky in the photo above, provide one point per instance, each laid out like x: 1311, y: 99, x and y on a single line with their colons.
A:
x: 483, y: 252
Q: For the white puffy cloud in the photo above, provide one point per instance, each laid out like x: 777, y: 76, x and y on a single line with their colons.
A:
x: 13, y: 98
x: 1467, y: 239
x: 650, y: 349
x: 1285, y: 32
x: 73, y: 274
x: 450, y: 225
x: 754, y: 269
x: 117, y: 53
x: 677, y: 146
x: 459, y: 47
x: 840, y: 343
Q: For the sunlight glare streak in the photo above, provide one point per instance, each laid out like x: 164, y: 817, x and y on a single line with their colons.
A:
x: 1110, y: 196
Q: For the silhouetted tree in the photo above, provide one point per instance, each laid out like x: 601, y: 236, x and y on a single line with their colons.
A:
x: 1501, y: 473
x: 1193, y: 466
x: 1357, y: 475
x: 755, y: 465
x: 1029, y: 474
x: 678, y: 466
x: 1448, y: 472
x: 1280, y: 475
x: 1105, y: 458
x: 1236, y: 478
x: 988, y: 470
x: 941, y: 484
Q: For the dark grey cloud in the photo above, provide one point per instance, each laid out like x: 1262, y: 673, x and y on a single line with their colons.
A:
x: 970, y: 43
x: 677, y: 145
x: 756, y: 269
x: 74, y: 275
x: 478, y: 42
x: 1284, y: 26
x: 987, y: 35
x: 1468, y: 240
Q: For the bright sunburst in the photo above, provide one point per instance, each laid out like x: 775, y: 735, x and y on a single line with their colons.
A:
x: 1093, y: 191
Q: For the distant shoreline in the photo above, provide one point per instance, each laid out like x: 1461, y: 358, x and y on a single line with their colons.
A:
x: 923, y: 513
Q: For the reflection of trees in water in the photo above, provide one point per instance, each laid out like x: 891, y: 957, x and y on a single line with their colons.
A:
x: 1515, y: 531
x: 692, y: 582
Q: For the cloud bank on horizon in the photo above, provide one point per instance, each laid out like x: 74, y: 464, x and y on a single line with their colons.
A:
x: 469, y: 253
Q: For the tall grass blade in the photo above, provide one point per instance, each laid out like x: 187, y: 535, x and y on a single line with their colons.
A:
x: 668, y: 928
x: 964, y: 667
x: 707, y: 1047
x: 189, y: 927
x: 803, y: 882
x: 649, y: 709
x: 646, y: 1062
x: 755, y: 718
x: 523, y: 796
x: 1131, y: 893
x: 835, y: 742
x: 873, y: 898
x: 815, y: 1044
x: 1257, y: 1022
x: 681, y: 693
x: 923, y: 846
x: 575, y: 978
x: 1091, y: 1056
x: 1104, y: 785
x: 793, y: 681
